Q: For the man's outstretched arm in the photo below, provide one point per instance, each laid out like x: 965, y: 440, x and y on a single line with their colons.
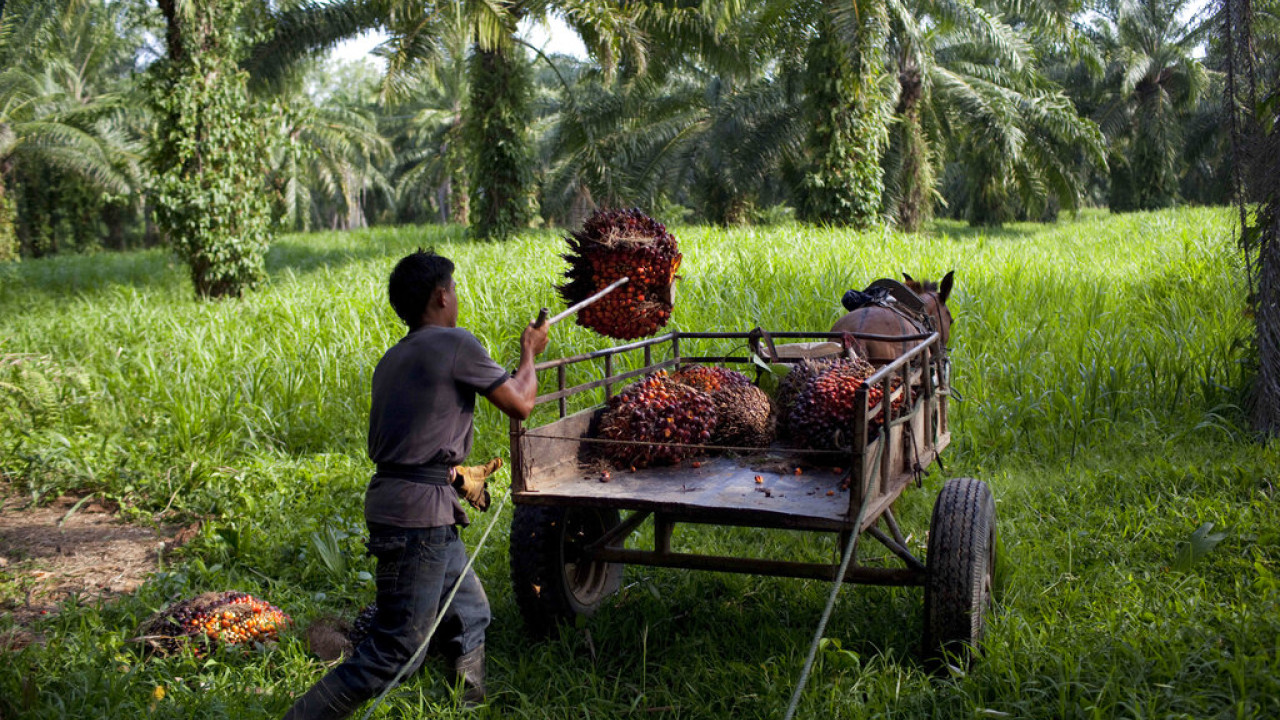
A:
x: 516, y: 396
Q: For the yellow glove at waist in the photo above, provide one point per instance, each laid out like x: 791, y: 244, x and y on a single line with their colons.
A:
x: 472, y: 482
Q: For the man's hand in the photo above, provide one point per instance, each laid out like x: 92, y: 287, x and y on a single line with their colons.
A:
x: 516, y: 396
x: 472, y: 482
x: 534, y: 339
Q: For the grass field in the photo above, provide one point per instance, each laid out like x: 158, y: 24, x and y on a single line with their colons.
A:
x: 1101, y: 363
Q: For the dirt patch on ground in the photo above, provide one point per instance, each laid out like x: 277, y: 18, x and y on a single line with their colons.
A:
x: 72, y: 547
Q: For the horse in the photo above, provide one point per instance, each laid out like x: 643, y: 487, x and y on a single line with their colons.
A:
x: 924, y: 310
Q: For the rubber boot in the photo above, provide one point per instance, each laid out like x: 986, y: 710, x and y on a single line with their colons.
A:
x: 329, y: 699
x: 469, y: 668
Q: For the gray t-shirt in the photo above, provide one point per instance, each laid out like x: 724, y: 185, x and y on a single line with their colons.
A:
x: 424, y: 398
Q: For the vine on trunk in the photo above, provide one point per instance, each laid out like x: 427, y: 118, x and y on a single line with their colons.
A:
x: 211, y: 152
x: 502, y: 164
x: 850, y: 113
x: 1253, y: 96
x: 8, y: 237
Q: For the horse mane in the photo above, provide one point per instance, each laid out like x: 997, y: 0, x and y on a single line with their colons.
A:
x: 920, y: 287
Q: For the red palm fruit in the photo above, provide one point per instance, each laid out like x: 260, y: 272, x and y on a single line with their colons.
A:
x: 613, y: 244
x: 652, y: 411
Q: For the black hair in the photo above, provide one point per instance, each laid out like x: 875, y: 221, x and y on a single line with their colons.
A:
x: 414, y: 280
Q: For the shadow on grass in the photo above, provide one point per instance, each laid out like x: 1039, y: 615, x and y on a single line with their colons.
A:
x: 727, y: 645
x: 158, y: 270
x: 309, y: 253
x: 70, y: 276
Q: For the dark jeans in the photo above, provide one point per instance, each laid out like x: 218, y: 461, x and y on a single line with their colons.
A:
x: 416, y: 569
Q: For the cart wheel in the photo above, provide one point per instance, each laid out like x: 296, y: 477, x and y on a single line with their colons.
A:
x: 962, y: 557
x: 551, y: 586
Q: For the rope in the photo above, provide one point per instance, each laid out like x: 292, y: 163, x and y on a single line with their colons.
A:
x: 422, y: 649
x: 835, y: 589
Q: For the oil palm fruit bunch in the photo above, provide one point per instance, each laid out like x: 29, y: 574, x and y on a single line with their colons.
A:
x: 652, y: 412
x: 744, y: 415
x: 796, y: 379
x: 823, y: 411
x: 363, y: 623
x: 709, y: 378
x: 622, y: 243
x: 212, y: 619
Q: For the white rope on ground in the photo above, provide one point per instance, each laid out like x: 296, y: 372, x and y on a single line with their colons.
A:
x: 835, y: 590
x: 422, y: 649
x: 813, y: 648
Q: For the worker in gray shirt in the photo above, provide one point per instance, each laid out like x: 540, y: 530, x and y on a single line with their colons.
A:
x: 420, y: 431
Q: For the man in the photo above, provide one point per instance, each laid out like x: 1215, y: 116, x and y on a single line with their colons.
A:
x: 420, y: 429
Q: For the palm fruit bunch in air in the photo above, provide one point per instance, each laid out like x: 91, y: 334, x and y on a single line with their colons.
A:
x: 622, y: 243
x: 823, y: 411
x: 744, y: 415
x: 212, y: 619
x: 652, y: 412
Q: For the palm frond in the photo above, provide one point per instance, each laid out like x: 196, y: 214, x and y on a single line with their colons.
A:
x: 72, y: 150
x: 307, y: 29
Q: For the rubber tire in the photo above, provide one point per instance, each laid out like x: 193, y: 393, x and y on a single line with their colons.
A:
x: 961, y: 561
x: 551, y: 589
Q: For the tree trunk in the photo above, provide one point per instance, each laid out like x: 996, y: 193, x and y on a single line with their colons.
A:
x: 1267, y: 313
x: 1256, y: 182
x: 456, y: 165
x: 849, y: 116
x: 581, y: 207
x: 8, y: 235
x: 914, y: 181
x: 502, y: 165
x: 211, y: 155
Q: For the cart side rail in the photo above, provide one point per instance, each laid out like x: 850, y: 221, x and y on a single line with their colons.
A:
x: 880, y: 464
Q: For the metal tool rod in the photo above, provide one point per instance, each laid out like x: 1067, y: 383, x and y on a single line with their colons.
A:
x: 542, y: 316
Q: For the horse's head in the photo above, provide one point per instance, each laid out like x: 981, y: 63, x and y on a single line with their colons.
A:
x: 935, y: 297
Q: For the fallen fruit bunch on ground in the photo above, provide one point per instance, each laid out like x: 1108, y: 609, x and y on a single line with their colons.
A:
x: 622, y: 243
x: 212, y: 619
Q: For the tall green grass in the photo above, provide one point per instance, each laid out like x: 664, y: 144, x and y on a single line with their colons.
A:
x: 1101, y: 362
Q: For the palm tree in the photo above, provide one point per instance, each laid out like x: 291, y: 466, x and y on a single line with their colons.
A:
x: 719, y: 142
x: 430, y: 174
x: 211, y: 151
x: 500, y: 174
x: 62, y: 107
x: 970, y: 92
x: 1151, y: 84
x: 848, y: 104
x: 330, y: 160
x: 327, y: 165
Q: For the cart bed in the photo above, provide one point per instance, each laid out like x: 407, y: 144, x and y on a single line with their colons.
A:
x: 722, y: 489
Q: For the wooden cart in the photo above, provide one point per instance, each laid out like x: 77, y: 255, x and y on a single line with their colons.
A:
x: 571, y: 527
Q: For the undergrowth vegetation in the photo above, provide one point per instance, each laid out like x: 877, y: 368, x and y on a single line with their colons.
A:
x: 1101, y: 364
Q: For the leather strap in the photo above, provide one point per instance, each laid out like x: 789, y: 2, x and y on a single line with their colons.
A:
x: 434, y: 474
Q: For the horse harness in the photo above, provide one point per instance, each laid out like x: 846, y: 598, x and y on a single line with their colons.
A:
x: 900, y: 299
